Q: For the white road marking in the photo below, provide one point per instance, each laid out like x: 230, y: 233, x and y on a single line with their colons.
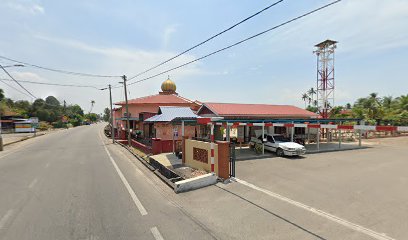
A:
x: 156, y: 233
x: 135, y: 199
x: 350, y: 225
x: 4, y: 219
x: 32, y: 184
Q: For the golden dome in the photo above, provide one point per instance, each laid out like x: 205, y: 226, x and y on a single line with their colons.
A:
x: 168, y: 86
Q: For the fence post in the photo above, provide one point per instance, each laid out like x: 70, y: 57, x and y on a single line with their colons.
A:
x: 339, y: 138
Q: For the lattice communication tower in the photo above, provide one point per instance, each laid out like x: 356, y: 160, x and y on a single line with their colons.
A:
x: 325, y: 76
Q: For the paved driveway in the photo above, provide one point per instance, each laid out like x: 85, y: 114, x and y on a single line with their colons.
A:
x: 367, y: 187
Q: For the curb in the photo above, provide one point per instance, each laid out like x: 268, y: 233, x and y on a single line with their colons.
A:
x: 23, y: 139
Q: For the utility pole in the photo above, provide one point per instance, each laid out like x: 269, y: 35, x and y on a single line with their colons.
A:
x: 127, y: 111
x: 2, y: 67
x: 111, y: 115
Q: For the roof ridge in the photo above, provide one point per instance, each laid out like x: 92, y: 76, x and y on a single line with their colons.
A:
x: 186, y: 99
x: 250, y: 104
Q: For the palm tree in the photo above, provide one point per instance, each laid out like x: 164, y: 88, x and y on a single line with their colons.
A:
x: 403, y: 102
x: 311, y: 92
x: 92, y: 104
x: 305, y: 97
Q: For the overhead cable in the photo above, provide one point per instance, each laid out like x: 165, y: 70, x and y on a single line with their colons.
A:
x: 25, y: 89
x: 11, y: 86
x: 207, y: 40
x: 238, y: 43
x: 59, y: 70
x: 53, y: 84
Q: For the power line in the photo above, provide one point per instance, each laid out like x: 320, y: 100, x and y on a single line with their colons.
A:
x: 207, y: 40
x: 238, y: 43
x: 53, y: 84
x: 11, y: 86
x: 17, y: 81
x: 59, y: 70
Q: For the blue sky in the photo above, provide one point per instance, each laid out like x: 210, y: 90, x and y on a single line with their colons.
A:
x: 126, y: 37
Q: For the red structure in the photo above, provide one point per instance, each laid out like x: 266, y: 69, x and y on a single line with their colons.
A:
x: 325, y: 76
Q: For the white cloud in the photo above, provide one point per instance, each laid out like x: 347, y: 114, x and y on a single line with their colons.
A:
x: 26, y: 7
x: 363, y: 25
x: 168, y: 31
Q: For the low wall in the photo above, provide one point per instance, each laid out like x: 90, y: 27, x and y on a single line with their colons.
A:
x: 198, y: 155
x: 141, y: 147
x: 164, y: 146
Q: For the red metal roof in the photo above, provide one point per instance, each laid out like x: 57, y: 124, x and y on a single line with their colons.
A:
x: 157, y: 99
x: 257, y: 110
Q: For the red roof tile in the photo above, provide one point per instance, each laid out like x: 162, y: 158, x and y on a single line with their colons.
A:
x: 157, y: 99
x: 258, y: 110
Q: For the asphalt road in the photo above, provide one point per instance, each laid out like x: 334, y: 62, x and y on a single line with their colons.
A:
x: 71, y: 185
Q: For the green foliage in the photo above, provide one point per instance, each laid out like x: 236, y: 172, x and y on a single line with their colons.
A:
x: 91, y: 117
x: 376, y: 110
x: 43, y: 126
x: 48, y: 111
x: 312, y: 109
x: 106, y: 115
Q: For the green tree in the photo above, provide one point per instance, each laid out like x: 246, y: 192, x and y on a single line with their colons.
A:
x: 2, y: 96
x: 52, y: 102
x: 106, y: 115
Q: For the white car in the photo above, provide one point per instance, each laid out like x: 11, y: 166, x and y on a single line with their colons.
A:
x: 279, y: 144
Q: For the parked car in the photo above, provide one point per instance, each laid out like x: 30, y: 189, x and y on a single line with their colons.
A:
x: 279, y: 144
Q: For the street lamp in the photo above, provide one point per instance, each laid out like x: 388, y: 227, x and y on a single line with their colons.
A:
x: 111, y: 113
x: 1, y: 136
x: 15, y: 65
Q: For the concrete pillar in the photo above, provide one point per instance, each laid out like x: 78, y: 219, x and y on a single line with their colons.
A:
x: 318, y: 139
x: 247, y: 133
x: 292, y: 133
x: 359, y: 138
x: 227, y: 132
x: 212, y: 148
x: 308, y: 135
x: 183, y: 147
x: 339, y: 138
x: 263, y: 145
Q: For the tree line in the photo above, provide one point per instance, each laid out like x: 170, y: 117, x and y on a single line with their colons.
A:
x: 373, y: 109
x: 49, y: 110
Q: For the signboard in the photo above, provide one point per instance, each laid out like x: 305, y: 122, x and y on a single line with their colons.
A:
x: 34, y: 122
x: 175, y: 133
x: 64, y: 119
x: 23, y: 127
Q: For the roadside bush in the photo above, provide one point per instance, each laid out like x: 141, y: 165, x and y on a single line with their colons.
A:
x: 44, y: 126
x: 58, y: 124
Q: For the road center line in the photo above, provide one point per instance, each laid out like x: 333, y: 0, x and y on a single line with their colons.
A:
x: 32, y: 184
x: 156, y: 233
x: 321, y: 213
x: 135, y: 199
x: 4, y: 219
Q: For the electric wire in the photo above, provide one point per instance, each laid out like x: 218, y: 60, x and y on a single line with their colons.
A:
x: 17, y: 81
x: 53, y: 84
x: 237, y: 43
x: 208, y: 39
x: 18, y: 90
x: 59, y: 70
